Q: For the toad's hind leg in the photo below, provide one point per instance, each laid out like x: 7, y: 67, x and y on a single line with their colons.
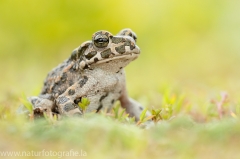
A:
x: 40, y: 104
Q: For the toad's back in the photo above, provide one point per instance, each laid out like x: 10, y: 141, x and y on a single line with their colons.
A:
x: 60, y: 78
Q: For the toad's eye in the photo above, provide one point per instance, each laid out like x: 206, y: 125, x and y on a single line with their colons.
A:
x: 101, y: 41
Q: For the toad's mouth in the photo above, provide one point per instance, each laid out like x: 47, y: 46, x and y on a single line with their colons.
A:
x: 130, y: 56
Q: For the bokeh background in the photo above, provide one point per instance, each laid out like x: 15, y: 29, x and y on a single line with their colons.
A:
x: 191, y: 46
x: 190, y: 53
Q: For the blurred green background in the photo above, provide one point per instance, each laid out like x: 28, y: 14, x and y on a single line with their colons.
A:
x: 190, y: 52
x: 189, y: 45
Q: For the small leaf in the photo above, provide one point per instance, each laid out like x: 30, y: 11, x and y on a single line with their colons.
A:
x: 143, y: 114
x: 138, y: 123
x: 158, y: 111
x: 121, y: 114
x: 148, y: 118
x: 153, y: 111
x: 116, y: 109
x: 55, y: 117
x: 132, y: 120
x: 45, y: 116
x: 27, y: 104
x: 84, y: 103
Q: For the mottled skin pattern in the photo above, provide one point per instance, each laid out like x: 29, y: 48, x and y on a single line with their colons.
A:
x: 95, y: 71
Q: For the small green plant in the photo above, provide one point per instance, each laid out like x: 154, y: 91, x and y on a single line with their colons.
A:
x: 167, y: 112
x: 51, y: 118
x: 28, y: 106
x: 156, y: 115
x: 143, y: 117
x: 121, y: 115
x: 172, y: 102
x: 84, y: 104
x: 237, y: 111
x: 220, y: 104
x: 26, y: 103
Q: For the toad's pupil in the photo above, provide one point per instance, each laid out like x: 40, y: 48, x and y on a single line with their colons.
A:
x: 102, y: 40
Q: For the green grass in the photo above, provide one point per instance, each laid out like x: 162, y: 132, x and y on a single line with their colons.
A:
x: 187, y: 75
x: 102, y: 137
x: 178, y: 133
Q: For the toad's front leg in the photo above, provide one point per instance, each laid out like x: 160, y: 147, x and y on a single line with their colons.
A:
x: 132, y: 107
x: 67, y: 102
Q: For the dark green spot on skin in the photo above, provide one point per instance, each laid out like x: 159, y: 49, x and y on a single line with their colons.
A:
x: 83, y: 81
x: 127, y: 43
x: 62, y: 100
x: 135, y: 38
x: 72, y: 69
x: 61, y: 67
x: 68, y: 107
x: 102, y: 97
x: 74, y: 55
x: 61, y: 91
x: 120, y: 49
x: 106, y: 53
x: 116, y: 40
x: 95, y: 59
x: 56, y: 83
x: 99, y: 108
x: 58, y: 88
x: 106, y: 33
x: 81, y: 50
x: 71, y: 92
x: 91, y: 54
x: 71, y: 82
x: 112, y: 101
x: 85, y: 67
